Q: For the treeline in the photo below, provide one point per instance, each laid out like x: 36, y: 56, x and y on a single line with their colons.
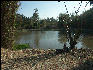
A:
x: 34, y: 22
x: 84, y: 21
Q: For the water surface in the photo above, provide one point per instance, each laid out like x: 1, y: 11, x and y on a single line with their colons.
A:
x: 51, y: 39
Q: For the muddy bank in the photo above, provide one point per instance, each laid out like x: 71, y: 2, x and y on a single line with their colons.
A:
x: 39, y: 59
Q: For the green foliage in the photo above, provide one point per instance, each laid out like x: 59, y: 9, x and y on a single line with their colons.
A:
x: 63, y: 20
x: 48, y: 23
x: 35, y: 19
x: 21, y: 46
x: 77, y: 21
x: 18, y: 21
x: 8, y: 10
x: 23, y: 22
x: 87, y: 19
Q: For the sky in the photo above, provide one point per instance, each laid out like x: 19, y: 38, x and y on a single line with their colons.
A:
x: 51, y: 8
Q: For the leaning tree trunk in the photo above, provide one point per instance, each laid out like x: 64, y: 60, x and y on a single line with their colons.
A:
x: 72, y: 39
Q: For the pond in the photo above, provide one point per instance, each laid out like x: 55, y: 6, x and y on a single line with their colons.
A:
x: 51, y: 39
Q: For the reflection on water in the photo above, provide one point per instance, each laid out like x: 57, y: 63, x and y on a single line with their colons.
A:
x: 88, y: 41
x: 62, y: 37
x: 50, y: 39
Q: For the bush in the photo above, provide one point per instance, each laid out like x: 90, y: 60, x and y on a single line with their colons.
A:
x: 21, y: 46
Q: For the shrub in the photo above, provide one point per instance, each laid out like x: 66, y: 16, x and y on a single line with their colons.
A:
x: 21, y: 46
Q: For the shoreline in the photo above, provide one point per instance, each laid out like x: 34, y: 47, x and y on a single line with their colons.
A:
x: 51, y: 29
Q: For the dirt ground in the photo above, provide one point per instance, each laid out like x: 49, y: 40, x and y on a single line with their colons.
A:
x: 39, y: 59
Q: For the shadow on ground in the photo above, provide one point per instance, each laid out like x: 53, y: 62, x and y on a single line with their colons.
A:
x: 33, y: 60
x: 29, y: 60
x: 87, y: 65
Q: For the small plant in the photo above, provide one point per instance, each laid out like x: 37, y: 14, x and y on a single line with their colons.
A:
x: 21, y: 46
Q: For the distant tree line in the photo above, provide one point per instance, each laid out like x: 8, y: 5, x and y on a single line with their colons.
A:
x: 84, y: 20
x: 34, y: 22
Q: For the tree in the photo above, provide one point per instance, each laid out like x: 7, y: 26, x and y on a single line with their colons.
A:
x: 43, y: 23
x: 35, y: 19
x: 87, y: 19
x: 63, y: 20
x: 8, y: 12
x: 18, y: 21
